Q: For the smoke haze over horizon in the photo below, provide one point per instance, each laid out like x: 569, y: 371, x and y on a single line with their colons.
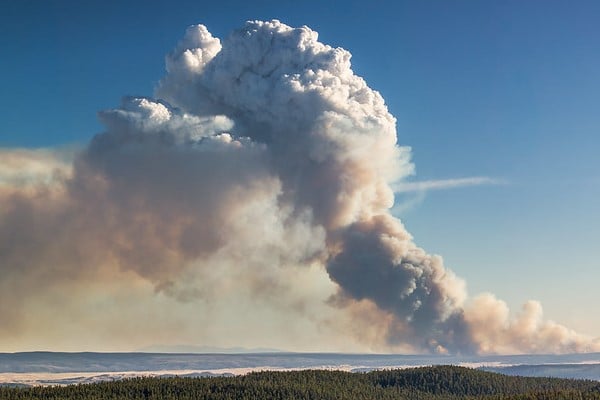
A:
x: 247, y: 203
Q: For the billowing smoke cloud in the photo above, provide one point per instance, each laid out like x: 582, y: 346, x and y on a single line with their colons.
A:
x: 263, y: 170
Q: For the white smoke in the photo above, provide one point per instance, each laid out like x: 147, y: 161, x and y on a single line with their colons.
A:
x: 263, y: 170
x: 28, y: 168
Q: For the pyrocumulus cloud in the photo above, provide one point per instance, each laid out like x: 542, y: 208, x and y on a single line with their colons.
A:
x: 255, y: 186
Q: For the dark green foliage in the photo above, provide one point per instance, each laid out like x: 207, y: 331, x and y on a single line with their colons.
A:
x: 470, y: 382
x: 435, y: 383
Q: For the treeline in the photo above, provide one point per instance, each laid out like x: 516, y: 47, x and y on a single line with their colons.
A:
x: 428, y: 383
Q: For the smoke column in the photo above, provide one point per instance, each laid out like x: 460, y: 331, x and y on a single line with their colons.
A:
x: 259, y: 158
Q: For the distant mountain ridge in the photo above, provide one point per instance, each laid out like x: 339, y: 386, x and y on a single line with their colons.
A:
x: 113, y: 365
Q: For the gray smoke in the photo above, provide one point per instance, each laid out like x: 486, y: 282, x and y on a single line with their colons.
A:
x: 262, y: 164
x: 379, y: 262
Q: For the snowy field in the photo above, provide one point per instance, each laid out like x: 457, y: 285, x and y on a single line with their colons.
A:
x: 46, y: 368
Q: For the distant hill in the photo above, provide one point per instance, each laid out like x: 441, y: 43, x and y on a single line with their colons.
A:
x: 44, y: 364
x: 579, y: 371
x: 425, y: 383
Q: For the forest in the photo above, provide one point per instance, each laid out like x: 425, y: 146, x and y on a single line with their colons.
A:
x: 424, y: 383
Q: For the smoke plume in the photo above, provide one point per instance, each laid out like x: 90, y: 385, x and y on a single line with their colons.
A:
x: 261, y: 172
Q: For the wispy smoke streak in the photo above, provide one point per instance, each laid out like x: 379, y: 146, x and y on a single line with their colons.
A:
x: 261, y: 157
x: 423, y: 186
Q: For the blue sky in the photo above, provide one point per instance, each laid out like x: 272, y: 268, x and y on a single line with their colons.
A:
x: 508, y: 90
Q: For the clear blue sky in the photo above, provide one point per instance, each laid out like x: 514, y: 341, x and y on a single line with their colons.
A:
x: 503, y: 89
